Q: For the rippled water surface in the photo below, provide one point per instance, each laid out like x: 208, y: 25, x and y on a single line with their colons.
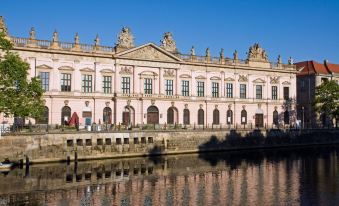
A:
x: 302, y: 176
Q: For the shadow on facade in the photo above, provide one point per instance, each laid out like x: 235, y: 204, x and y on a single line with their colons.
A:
x: 212, y: 150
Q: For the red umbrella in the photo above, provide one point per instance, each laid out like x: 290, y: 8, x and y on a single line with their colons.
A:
x: 74, y: 119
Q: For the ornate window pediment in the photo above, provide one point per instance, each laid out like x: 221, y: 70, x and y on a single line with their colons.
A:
x: 185, y: 76
x: 67, y: 68
x: 229, y: 79
x: 286, y: 83
x: 127, y: 70
x: 87, y: 69
x: 148, y: 73
x: 44, y: 66
x: 274, y: 80
x: 259, y: 80
x: 106, y: 71
x: 200, y: 77
x: 149, y: 52
x: 243, y: 78
x: 215, y: 78
x: 169, y: 73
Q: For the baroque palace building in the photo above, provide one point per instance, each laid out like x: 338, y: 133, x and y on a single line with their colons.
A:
x: 156, y: 84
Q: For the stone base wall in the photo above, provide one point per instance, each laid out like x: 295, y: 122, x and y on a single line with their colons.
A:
x: 57, y: 147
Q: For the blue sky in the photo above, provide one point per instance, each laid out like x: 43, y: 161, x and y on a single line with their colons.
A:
x: 302, y: 29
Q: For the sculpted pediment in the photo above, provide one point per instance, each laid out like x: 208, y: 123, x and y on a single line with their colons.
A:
x: 107, y: 71
x: 127, y: 70
x: 274, y: 80
x: 259, y: 80
x: 149, y: 52
x: 44, y: 66
x: 148, y: 73
x: 242, y: 78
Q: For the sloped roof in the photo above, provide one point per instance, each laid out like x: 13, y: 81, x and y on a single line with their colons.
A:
x: 313, y: 67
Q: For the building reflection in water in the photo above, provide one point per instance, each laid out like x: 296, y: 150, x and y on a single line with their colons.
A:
x: 273, y: 177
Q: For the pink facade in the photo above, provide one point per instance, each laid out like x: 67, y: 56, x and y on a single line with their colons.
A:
x: 129, y: 78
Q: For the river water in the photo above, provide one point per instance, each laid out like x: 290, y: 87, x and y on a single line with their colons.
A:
x: 299, y: 176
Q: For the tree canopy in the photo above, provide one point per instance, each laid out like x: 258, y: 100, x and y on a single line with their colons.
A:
x: 327, y: 99
x: 20, y: 95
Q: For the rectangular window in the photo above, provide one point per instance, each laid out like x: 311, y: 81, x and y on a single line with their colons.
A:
x: 274, y: 92
x: 258, y: 91
x: 65, y: 82
x: 201, y: 89
x: 86, y: 83
x: 107, y: 84
x: 169, y: 87
x: 148, y: 86
x: 286, y: 93
x: 125, y: 85
x: 215, y: 89
x: 229, y: 90
x: 185, y: 87
x: 243, y: 91
x: 44, y: 78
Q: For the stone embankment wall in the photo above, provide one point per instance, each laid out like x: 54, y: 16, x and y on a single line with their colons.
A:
x: 57, y: 147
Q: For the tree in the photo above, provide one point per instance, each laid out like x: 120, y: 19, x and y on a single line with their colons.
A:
x: 327, y: 99
x: 20, y: 95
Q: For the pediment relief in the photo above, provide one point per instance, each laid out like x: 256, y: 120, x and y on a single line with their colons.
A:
x: 68, y: 68
x: 106, y: 71
x: 274, y: 80
x: 44, y: 66
x: 243, y: 78
x: 200, y: 77
x: 127, y: 70
x: 286, y: 83
x: 259, y: 80
x: 185, y: 76
x: 169, y: 73
x: 148, y: 73
x: 149, y: 52
x: 215, y: 78
x: 229, y: 79
x: 87, y: 70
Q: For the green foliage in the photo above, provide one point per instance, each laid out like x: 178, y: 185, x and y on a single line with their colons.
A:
x: 327, y: 99
x: 19, y: 95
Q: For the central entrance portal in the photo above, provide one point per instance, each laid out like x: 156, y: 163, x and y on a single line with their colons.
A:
x: 259, y: 120
x: 152, y: 115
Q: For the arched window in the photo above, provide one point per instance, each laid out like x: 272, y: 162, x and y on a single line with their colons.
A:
x: 286, y: 117
x: 107, y: 115
x: 65, y: 115
x: 152, y: 115
x: 275, y: 118
x: 186, y: 116
x: 201, y: 116
x: 43, y: 119
x: 243, y: 117
x: 229, y: 116
x: 215, y: 116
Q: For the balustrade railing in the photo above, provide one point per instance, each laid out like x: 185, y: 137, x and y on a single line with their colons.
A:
x: 45, y: 44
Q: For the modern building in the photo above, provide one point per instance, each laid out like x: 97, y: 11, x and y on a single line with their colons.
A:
x: 156, y: 84
x: 311, y: 75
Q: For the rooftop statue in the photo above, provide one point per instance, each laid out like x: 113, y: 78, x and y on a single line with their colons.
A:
x: 168, y: 42
x: 192, y: 51
x: 3, y: 27
x: 256, y: 53
x: 32, y: 33
x: 235, y: 55
x: 55, y: 36
x: 125, y: 38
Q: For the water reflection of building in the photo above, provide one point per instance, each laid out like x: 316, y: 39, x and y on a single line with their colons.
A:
x: 178, y: 180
